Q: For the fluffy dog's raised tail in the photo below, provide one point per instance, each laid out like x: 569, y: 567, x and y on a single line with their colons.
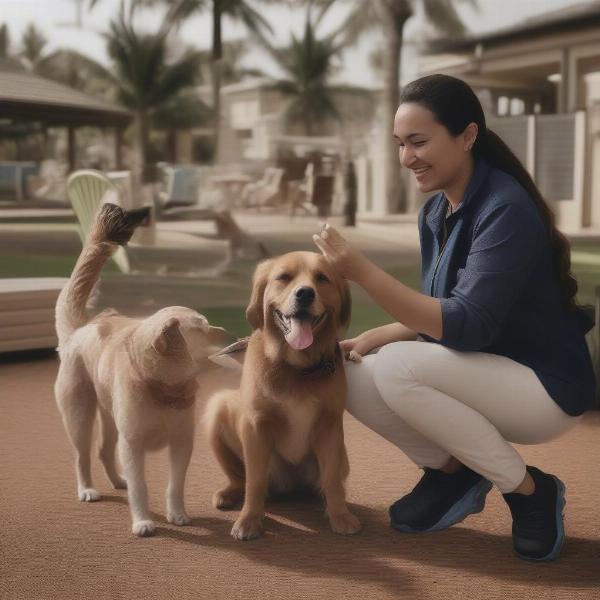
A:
x: 113, y: 227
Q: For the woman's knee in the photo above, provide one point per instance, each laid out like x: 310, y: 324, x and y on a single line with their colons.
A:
x: 393, y: 374
x: 361, y: 387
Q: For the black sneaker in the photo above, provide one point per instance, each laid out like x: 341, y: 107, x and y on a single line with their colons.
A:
x: 538, y: 531
x: 440, y: 500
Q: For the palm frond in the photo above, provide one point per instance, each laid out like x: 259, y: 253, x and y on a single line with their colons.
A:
x: 443, y: 15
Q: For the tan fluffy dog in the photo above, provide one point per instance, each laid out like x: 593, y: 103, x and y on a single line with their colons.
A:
x: 283, y: 428
x: 139, y: 375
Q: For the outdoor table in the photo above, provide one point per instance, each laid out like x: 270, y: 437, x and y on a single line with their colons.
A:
x: 230, y: 186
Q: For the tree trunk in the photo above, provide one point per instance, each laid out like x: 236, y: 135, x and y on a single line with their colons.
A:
x: 217, y: 55
x: 141, y: 135
x: 396, y: 14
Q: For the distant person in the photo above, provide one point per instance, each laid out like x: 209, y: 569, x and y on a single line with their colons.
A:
x: 493, y: 350
x: 350, y: 187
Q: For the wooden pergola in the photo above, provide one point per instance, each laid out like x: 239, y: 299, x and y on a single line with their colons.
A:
x: 27, y: 98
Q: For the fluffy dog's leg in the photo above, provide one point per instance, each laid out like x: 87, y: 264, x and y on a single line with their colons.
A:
x: 333, y: 469
x: 109, y: 437
x: 180, y: 451
x: 257, y: 452
x: 132, y: 459
x: 76, y: 400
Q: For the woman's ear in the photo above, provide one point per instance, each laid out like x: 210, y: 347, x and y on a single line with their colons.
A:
x: 470, y: 136
x: 255, y: 310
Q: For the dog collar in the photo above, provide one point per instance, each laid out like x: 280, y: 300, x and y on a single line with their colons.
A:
x: 326, y: 366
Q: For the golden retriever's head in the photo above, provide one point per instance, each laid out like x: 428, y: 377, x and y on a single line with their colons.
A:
x: 297, y: 296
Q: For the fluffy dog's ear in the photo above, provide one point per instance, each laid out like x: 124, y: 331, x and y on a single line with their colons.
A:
x: 217, y: 336
x: 345, y: 305
x: 255, y: 311
x: 170, y: 341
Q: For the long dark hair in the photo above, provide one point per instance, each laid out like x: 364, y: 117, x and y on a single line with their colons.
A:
x: 455, y: 105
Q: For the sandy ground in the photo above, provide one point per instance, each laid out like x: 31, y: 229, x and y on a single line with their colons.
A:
x: 54, y: 547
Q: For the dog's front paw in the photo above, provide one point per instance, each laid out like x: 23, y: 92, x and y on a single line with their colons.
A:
x: 143, y: 528
x: 247, y: 528
x: 227, y: 498
x: 178, y: 518
x: 344, y: 523
x: 89, y: 495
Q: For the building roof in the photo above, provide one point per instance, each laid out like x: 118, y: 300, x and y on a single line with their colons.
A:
x: 577, y: 16
x: 27, y: 96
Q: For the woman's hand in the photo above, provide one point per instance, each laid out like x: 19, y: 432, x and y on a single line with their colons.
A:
x: 355, y: 348
x: 346, y: 260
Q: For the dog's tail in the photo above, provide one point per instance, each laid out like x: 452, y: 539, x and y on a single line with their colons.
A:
x: 113, y: 227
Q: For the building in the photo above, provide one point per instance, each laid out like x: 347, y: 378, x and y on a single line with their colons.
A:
x: 539, y: 83
x: 254, y: 126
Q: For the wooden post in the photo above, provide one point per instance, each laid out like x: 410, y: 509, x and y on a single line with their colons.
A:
x: 71, y: 149
x: 118, y: 148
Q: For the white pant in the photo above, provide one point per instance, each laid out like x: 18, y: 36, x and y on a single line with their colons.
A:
x: 434, y: 403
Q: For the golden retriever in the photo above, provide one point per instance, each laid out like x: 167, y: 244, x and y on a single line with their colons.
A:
x: 283, y: 429
x: 138, y: 374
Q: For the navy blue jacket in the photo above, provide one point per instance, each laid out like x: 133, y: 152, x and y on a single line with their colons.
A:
x: 499, y: 288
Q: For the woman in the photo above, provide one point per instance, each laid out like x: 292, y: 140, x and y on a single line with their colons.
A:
x: 493, y: 350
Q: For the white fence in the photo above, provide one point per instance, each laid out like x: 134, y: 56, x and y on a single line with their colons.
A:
x: 551, y: 147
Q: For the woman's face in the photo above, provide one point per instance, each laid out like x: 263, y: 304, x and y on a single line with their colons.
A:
x: 437, y: 158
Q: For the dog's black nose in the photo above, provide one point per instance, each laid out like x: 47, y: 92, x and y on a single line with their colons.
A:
x: 305, y: 295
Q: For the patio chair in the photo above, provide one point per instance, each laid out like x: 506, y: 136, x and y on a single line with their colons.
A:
x: 264, y: 192
x: 85, y: 190
x: 180, y: 252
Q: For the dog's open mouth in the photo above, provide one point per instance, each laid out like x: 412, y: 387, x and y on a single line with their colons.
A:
x: 298, y: 328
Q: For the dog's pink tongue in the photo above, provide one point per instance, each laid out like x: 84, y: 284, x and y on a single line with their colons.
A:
x: 300, y: 335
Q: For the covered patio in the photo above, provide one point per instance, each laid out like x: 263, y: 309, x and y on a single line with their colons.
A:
x: 26, y: 98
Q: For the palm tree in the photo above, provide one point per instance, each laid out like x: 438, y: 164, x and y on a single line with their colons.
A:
x: 77, y: 71
x: 308, y: 63
x: 390, y: 16
x: 33, y: 42
x: 146, y: 81
x: 237, y: 10
x: 4, y: 41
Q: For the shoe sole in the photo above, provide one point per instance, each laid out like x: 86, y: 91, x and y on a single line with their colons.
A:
x: 560, y: 528
x: 471, y: 503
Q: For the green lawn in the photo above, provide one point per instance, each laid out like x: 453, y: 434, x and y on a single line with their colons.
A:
x: 586, y: 265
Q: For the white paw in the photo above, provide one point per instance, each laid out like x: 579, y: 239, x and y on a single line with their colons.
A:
x: 143, y: 528
x: 89, y: 495
x: 178, y: 518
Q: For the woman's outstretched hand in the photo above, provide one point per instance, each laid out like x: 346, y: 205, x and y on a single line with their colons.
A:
x: 347, y: 261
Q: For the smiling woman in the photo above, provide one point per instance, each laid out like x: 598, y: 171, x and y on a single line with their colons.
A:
x: 493, y: 346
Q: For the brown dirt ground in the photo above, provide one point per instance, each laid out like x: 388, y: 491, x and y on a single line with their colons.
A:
x: 54, y: 547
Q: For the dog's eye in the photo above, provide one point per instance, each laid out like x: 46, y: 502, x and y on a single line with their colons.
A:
x: 284, y: 277
x: 321, y: 277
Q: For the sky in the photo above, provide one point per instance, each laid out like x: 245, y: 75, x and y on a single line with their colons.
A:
x: 56, y: 19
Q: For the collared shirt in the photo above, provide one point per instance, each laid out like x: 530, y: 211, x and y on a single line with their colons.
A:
x: 499, y: 289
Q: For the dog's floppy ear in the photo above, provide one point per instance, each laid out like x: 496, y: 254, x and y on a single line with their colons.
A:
x: 345, y: 305
x: 169, y: 340
x: 255, y: 311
